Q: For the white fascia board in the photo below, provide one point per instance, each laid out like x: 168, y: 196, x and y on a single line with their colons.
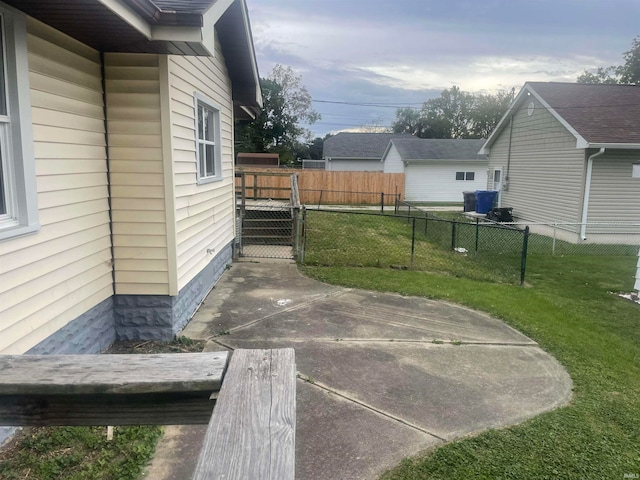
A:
x: 619, y: 146
x: 446, y: 160
x: 126, y: 13
x: 387, y: 150
x: 176, y: 34
x: 209, y: 20
x: 252, y: 52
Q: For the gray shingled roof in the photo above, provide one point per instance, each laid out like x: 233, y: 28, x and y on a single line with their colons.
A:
x: 415, y: 149
x: 599, y: 113
x: 359, y: 145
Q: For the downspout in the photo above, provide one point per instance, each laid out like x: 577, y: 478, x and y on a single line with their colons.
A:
x: 107, y: 154
x: 587, y: 192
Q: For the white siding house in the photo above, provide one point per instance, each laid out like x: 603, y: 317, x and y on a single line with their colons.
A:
x: 566, y: 153
x: 116, y: 198
x: 437, y: 170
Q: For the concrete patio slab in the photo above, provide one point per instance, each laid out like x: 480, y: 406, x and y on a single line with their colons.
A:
x: 338, y: 439
x: 381, y: 376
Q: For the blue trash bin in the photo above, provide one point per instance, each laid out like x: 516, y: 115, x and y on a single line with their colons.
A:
x: 484, y: 200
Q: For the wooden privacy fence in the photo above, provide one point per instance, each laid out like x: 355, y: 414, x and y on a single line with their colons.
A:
x: 322, y: 187
x: 251, y: 433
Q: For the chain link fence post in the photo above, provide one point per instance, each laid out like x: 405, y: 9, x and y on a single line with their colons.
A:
x: 453, y: 235
x: 523, y: 261
x: 413, y: 241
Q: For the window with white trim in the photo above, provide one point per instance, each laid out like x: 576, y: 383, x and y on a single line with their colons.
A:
x: 466, y: 176
x: 208, y: 140
x: 18, y: 195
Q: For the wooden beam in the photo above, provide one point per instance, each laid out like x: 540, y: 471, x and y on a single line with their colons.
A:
x: 252, y: 431
x: 160, y: 389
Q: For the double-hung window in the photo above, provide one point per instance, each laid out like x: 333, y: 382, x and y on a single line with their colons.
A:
x: 208, y: 140
x: 18, y: 196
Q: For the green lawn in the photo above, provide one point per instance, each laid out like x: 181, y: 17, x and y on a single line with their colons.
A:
x: 568, y: 309
x: 370, y: 240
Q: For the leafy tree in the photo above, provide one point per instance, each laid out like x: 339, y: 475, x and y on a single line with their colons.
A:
x: 287, y: 105
x: 629, y: 73
x: 487, y: 111
x: 454, y: 114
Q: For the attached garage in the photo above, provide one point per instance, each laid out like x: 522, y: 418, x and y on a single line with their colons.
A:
x: 437, y: 170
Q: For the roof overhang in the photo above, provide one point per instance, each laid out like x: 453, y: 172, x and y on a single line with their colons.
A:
x: 445, y: 160
x: 176, y: 27
x: 618, y: 146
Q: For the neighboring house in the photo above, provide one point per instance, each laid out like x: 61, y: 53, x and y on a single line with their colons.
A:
x: 437, y: 170
x: 568, y: 152
x: 258, y: 160
x: 116, y: 133
x: 361, y: 152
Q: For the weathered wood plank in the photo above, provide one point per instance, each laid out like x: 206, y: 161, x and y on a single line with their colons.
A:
x: 252, y: 431
x: 109, y: 389
x: 116, y: 374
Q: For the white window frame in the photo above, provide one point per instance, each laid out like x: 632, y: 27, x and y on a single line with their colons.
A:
x: 16, y: 136
x: 200, y: 102
x: 465, y: 176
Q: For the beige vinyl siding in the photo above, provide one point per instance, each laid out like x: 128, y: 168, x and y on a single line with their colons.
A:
x: 137, y: 174
x: 615, y: 194
x: 204, y: 212
x: 547, y: 171
x: 50, y: 278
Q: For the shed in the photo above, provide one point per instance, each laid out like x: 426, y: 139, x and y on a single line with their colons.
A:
x: 437, y: 170
x: 258, y: 160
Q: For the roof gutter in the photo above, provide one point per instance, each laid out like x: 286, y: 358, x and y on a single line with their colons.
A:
x: 587, y: 192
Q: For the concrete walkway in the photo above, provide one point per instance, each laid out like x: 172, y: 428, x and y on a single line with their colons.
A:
x: 381, y: 376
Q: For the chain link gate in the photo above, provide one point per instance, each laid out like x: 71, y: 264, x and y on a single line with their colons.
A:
x: 270, y: 230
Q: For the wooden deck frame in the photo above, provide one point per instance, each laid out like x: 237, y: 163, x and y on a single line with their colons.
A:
x: 251, y: 433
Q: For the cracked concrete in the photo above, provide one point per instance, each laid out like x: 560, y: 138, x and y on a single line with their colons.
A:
x: 381, y: 376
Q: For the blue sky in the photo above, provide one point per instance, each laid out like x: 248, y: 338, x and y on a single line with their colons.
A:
x: 402, y: 52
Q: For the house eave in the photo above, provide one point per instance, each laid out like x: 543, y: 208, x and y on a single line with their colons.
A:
x: 139, y: 26
x: 618, y: 146
x: 448, y: 160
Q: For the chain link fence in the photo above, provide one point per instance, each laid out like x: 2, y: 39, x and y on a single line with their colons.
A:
x: 599, y: 239
x: 420, y: 241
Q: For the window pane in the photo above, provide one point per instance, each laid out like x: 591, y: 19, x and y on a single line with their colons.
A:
x: 209, y: 131
x: 471, y: 175
x: 203, y: 172
x: 3, y: 202
x: 211, y: 167
x: 3, y: 91
x: 459, y: 175
x: 200, y: 122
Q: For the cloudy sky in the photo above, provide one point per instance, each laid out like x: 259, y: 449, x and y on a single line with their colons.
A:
x: 372, y: 56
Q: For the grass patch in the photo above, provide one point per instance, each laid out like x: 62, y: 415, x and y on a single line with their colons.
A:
x: 78, y: 453
x: 369, y: 240
x: 571, y: 313
x: 84, y: 453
